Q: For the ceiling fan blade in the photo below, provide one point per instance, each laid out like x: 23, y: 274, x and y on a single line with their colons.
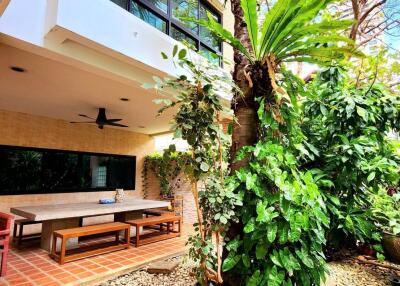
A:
x: 115, y: 124
x: 82, y: 121
x: 113, y: 120
x: 84, y: 115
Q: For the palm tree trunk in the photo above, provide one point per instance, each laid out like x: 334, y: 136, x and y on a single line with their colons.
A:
x: 245, y: 110
x: 244, y: 107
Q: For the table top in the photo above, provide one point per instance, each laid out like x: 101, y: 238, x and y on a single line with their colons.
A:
x: 82, y: 209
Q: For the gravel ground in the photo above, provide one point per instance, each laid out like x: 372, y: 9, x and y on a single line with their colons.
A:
x: 180, y: 277
x: 346, y: 273
x: 343, y: 273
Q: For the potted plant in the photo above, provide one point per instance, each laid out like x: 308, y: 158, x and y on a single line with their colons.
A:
x: 386, y: 210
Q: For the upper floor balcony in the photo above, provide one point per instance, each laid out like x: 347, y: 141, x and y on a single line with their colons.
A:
x: 136, y: 34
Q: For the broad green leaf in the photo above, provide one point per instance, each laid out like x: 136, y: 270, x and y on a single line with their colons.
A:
x: 362, y: 112
x: 275, y: 258
x: 204, y: 166
x: 271, y: 232
x: 246, y: 260
x: 230, y: 262
x: 175, y: 50
x: 261, y: 250
x: 182, y: 53
x: 255, y: 279
x: 164, y: 56
x: 249, y: 227
x: 371, y: 176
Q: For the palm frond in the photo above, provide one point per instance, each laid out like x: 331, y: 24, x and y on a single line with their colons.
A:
x: 222, y: 34
x: 271, y: 22
x: 250, y: 16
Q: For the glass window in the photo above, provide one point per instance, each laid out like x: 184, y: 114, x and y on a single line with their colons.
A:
x: 182, y: 37
x: 122, y: 3
x: 148, y: 17
x: 209, y: 55
x: 33, y: 170
x: 186, y: 8
x: 205, y: 35
x: 160, y: 4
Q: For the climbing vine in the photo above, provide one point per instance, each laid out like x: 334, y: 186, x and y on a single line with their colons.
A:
x: 166, y: 167
x: 199, y: 110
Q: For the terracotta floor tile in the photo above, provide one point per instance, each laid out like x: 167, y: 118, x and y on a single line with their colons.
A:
x: 35, y: 267
x: 84, y: 274
x: 68, y: 280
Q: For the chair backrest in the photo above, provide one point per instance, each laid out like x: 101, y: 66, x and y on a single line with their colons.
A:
x: 5, y: 221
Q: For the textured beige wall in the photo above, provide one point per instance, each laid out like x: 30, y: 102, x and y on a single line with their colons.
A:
x: 189, y: 207
x: 27, y: 130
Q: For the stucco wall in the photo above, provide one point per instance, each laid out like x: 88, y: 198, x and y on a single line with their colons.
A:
x: 189, y: 207
x: 27, y: 130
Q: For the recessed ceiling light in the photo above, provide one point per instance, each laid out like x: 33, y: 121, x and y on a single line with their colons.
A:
x: 124, y: 99
x: 17, y: 69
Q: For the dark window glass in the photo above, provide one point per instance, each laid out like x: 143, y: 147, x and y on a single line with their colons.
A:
x: 186, y: 8
x: 182, y: 37
x: 148, y: 17
x: 122, y: 3
x: 25, y: 170
x: 160, y: 4
x: 205, y: 34
x: 210, y: 55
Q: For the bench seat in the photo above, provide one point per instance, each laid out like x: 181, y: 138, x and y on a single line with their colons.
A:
x: 64, y: 256
x: 169, y: 220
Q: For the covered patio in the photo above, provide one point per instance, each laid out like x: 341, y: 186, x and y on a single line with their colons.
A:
x: 45, y: 89
x: 33, y: 266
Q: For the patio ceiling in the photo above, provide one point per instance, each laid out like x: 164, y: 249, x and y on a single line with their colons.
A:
x: 58, y: 90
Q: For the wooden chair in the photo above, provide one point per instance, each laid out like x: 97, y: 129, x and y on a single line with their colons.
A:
x: 5, y: 225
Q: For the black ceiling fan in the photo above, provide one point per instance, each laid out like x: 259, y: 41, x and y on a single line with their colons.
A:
x: 101, y: 120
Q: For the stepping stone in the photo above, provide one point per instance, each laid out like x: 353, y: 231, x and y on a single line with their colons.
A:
x: 162, y: 267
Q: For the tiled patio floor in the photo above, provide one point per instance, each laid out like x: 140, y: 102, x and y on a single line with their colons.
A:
x: 33, y: 266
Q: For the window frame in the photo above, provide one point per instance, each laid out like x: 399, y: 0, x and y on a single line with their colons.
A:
x: 172, y: 22
x: 77, y: 190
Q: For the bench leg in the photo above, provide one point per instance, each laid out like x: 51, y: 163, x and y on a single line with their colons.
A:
x: 54, y: 247
x: 128, y: 237
x: 137, y: 235
x: 63, y: 250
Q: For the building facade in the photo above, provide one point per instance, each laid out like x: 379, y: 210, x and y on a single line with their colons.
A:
x: 62, y: 60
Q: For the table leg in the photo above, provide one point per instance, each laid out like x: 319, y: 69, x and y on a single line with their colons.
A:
x: 125, y: 216
x: 49, y: 226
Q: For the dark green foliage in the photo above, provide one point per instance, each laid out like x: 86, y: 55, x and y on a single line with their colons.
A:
x: 348, y: 126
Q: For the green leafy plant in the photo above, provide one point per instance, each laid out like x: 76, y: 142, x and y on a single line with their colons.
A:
x: 346, y: 126
x: 196, y: 120
x: 386, y: 211
x: 167, y: 168
x: 269, y: 115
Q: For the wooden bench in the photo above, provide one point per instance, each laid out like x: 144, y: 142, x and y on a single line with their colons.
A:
x: 159, y: 235
x: 82, y: 252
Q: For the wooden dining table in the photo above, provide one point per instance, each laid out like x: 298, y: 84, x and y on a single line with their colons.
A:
x: 63, y: 216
